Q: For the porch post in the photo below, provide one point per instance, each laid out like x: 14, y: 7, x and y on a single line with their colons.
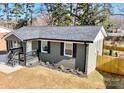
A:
x: 24, y: 51
x: 7, y: 45
x: 39, y: 45
x: 29, y: 46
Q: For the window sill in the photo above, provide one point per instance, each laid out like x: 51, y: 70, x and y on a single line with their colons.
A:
x: 68, y: 55
x: 44, y: 52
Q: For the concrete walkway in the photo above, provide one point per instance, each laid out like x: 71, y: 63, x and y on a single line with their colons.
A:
x: 3, y: 58
x: 5, y: 68
x: 8, y: 69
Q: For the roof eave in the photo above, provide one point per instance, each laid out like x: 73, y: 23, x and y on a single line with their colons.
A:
x: 12, y: 33
x: 60, y: 40
x: 103, y: 31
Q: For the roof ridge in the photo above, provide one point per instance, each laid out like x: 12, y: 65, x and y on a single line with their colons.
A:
x: 65, y: 26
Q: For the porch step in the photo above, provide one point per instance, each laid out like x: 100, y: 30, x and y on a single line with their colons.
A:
x: 13, y: 62
x: 32, y: 61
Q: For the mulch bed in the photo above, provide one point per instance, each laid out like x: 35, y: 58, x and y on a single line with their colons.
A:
x: 66, y: 70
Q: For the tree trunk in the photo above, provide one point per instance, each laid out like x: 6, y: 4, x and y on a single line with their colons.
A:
x: 75, y: 14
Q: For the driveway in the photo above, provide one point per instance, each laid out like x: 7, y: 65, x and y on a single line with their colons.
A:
x: 5, y: 68
x: 8, y: 69
x: 3, y: 58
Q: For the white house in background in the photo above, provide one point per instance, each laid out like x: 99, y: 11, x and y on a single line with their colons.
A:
x: 3, y: 32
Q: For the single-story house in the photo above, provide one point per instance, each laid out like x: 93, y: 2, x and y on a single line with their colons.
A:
x: 3, y: 31
x: 76, y: 44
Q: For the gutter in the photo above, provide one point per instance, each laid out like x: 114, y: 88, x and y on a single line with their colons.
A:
x: 60, y: 40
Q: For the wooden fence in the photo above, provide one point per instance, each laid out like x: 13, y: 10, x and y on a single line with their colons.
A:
x: 114, y: 48
x: 110, y: 64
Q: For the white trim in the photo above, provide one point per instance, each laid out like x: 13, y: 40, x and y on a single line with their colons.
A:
x: 101, y: 35
x: 63, y: 41
x: 42, y: 47
x: 103, y: 31
x: 65, y: 48
x: 12, y: 33
x: 29, y: 46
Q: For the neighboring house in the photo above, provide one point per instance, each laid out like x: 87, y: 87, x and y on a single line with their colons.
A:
x: 3, y: 31
x: 116, y: 39
x: 117, y: 21
x: 78, y: 44
x: 41, y: 20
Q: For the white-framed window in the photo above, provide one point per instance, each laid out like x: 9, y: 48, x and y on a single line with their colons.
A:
x: 44, y: 47
x: 15, y: 44
x: 68, y: 49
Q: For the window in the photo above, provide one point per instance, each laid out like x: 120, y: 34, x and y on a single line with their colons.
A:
x: 68, y: 49
x: 44, y: 46
x: 15, y: 44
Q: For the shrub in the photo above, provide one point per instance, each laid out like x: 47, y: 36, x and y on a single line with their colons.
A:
x: 47, y: 63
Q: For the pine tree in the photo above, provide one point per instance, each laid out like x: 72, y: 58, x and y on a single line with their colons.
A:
x: 59, y: 13
x: 17, y: 11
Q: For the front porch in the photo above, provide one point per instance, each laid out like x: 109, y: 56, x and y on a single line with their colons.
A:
x: 25, y: 53
x: 19, y: 52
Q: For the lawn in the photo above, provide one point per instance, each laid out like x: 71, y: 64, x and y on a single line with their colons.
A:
x: 42, y: 77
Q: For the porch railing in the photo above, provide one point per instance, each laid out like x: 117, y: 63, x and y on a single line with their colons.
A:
x: 19, y: 49
x: 12, y: 58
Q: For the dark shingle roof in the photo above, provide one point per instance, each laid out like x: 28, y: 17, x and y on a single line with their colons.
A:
x: 76, y: 33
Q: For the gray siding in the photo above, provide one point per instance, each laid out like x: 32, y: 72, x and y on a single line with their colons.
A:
x: 55, y: 57
x: 34, y: 45
x: 80, y: 58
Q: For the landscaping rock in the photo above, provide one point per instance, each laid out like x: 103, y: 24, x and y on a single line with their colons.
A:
x: 47, y: 63
x: 62, y: 67
x: 80, y: 73
x: 42, y: 63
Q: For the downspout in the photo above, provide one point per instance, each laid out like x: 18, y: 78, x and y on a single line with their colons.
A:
x: 85, y: 60
x: 24, y: 51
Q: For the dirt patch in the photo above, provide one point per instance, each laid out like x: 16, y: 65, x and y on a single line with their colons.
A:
x: 113, y: 81
x: 42, y: 77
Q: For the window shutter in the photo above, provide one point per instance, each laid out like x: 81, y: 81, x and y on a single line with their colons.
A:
x: 39, y: 45
x: 61, y: 48
x: 48, y: 43
x: 74, y: 49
